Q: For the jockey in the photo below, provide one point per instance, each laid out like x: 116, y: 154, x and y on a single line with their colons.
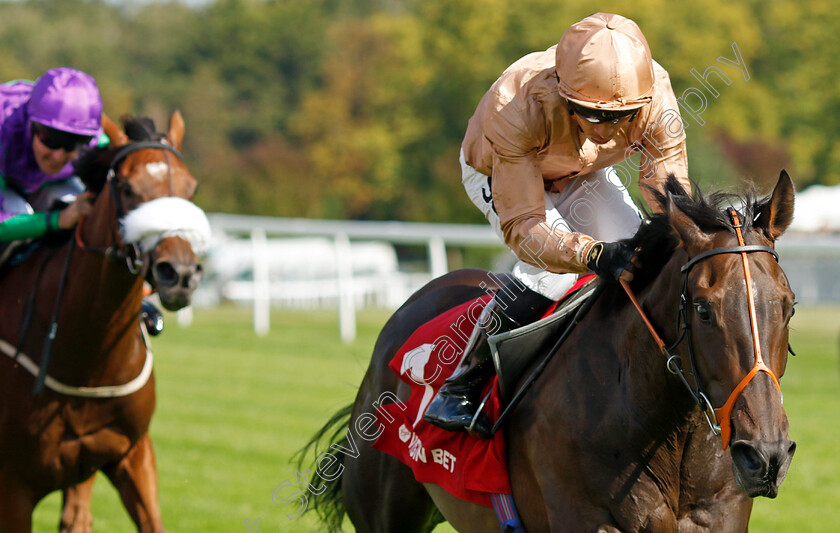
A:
x: 43, y: 126
x: 545, y: 159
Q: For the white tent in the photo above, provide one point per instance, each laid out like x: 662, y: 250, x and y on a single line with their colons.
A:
x: 817, y: 210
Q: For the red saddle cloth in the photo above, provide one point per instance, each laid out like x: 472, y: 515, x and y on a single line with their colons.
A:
x: 467, y: 467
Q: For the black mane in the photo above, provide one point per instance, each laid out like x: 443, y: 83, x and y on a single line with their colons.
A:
x: 655, y: 238
x: 92, y: 166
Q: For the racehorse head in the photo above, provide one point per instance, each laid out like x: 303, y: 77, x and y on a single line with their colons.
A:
x: 736, y: 305
x: 151, y: 192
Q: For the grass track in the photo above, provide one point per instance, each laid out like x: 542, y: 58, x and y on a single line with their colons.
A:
x: 233, y: 408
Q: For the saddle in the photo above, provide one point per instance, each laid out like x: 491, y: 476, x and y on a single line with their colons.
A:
x: 515, y: 350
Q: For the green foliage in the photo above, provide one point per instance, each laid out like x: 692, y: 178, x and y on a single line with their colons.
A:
x: 352, y: 108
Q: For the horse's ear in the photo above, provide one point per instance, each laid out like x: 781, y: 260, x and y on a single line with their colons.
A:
x: 176, y: 130
x: 116, y: 135
x: 691, y: 237
x: 776, y: 212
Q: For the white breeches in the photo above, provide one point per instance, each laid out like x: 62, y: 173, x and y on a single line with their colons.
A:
x: 595, y: 204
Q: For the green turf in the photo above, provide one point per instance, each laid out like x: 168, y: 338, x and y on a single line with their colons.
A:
x: 232, y: 408
x: 809, y: 499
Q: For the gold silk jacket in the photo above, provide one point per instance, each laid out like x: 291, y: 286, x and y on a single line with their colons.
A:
x: 523, y: 136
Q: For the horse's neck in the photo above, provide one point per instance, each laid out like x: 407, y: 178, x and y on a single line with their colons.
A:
x: 102, y: 299
x: 656, y: 393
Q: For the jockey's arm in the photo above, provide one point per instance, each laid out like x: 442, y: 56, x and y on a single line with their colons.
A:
x: 518, y: 196
x: 28, y: 226
x: 16, y: 225
x: 20, y: 226
x: 516, y: 132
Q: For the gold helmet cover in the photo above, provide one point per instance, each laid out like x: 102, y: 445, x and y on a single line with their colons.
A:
x: 604, y: 62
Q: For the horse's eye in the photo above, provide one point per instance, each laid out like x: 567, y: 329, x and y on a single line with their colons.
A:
x: 792, y: 312
x: 126, y: 190
x: 702, y: 312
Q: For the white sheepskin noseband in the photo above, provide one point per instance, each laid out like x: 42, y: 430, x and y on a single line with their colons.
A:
x: 169, y: 216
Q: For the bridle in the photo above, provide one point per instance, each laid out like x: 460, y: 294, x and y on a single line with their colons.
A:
x: 718, y: 418
x: 129, y: 252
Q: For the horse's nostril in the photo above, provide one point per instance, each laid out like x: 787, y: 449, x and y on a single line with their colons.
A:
x: 191, y: 278
x: 751, y: 461
x: 791, y: 449
x: 165, y: 274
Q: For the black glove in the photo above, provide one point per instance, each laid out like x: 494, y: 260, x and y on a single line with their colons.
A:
x: 610, y: 259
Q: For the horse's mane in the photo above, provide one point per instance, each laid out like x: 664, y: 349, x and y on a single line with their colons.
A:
x: 92, y: 166
x: 655, y: 238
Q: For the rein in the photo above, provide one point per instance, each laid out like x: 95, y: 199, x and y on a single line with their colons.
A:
x: 46, y: 355
x: 718, y: 418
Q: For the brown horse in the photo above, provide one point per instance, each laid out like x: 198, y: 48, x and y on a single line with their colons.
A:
x: 99, y: 395
x: 607, y: 439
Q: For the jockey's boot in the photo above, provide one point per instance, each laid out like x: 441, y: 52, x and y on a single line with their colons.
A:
x: 152, y: 318
x: 455, y: 406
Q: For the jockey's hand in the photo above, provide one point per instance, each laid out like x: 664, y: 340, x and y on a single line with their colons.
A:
x: 81, y: 206
x: 612, y: 261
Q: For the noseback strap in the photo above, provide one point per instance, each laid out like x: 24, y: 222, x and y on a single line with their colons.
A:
x: 723, y: 414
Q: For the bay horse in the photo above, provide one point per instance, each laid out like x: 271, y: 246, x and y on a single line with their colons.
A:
x: 91, y: 406
x: 608, y: 439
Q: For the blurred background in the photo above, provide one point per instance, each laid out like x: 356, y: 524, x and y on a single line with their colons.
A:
x: 321, y: 112
x: 355, y: 109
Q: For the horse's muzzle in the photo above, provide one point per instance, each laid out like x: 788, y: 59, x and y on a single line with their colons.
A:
x: 176, y: 273
x: 760, y: 466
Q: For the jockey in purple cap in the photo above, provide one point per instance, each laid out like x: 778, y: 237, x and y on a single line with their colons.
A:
x: 43, y: 126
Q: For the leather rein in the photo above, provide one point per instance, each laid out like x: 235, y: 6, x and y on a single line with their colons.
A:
x: 129, y: 252
x: 718, y: 418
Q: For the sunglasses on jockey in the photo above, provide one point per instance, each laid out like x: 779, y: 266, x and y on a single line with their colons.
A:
x: 56, y: 139
x: 601, y: 116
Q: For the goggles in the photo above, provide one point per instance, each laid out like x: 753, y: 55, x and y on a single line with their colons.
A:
x: 601, y: 116
x: 56, y: 139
